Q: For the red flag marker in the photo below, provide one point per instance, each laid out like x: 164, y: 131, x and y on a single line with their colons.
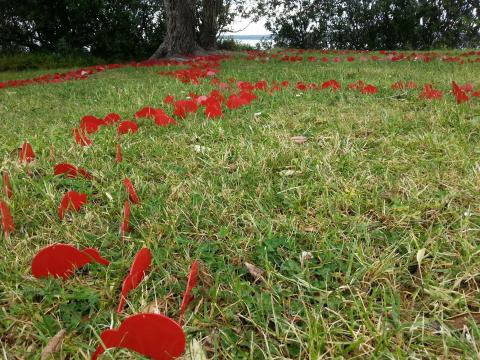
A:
x: 61, y: 260
x: 125, y: 226
x: 26, y: 154
x: 81, y: 138
x: 191, y: 283
x: 140, y: 265
x: 132, y: 194
x: 71, y: 201
x: 7, y: 220
x: 152, y: 335
x: 6, y: 185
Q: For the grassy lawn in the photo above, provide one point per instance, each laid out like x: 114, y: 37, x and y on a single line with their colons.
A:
x: 379, y: 178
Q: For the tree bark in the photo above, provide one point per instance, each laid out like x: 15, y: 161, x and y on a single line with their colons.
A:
x: 209, y: 26
x: 180, y: 36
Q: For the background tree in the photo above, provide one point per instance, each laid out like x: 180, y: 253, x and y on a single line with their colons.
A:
x: 373, y: 24
x: 111, y: 29
x: 180, y: 37
x: 193, y: 25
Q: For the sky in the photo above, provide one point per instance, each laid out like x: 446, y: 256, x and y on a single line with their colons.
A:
x: 251, y: 28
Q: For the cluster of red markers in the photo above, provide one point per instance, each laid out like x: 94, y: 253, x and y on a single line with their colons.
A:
x: 154, y: 335
x: 325, y: 56
x: 166, y: 339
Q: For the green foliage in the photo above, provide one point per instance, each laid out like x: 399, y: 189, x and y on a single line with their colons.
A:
x: 109, y: 29
x: 113, y: 29
x: 373, y: 24
x: 42, y: 60
x: 231, y: 44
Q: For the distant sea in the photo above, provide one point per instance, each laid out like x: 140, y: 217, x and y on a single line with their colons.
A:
x: 251, y: 40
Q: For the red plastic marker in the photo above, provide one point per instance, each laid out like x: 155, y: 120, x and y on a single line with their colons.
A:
x: 72, y: 201
x: 71, y: 171
x: 7, y: 220
x: 111, y: 118
x: 187, y: 295
x: 132, y: 194
x: 81, y: 138
x: 118, y: 157
x: 61, y: 260
x: 162, y: 119
x: 91, y: 123
x: 152, y: 335
x: 127, y: 126
x: 125, y: 226
x: 146, y: 112
x: 140, y: 266
x: 6, y: 185
x: 26, y: 154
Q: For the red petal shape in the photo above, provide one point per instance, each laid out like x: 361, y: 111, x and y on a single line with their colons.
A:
x: 111, y: 118
x: 169, y: 99
x: 162, y: 119
x: 118, y: 157
x: 234, y: 102
x: 132, y: 194
x: 140, y: 265
x: 91, y: 123
x: 85, y: 173
x: 334, y: 84
x: 6, y: 185
x: 95, y: 255
x: 71, y: 201
x: 213, y: 109
x: 245, y: 85
x: 69, y: 170
x: 61, y: 260
x: 459, y: 93
x: 81, y: 138
x: 369, y: 89
x: 430, y: 93
x: 26, y: 154
x: 146, y: 112
x: 301, y: 86
x: 217, y: 95
x: 187, y: 295
x: 411, y: 85
x: 247, y: 96
x: 127, y: 126
x: 183, y: 107
x: 399, y: 85
x: 152, y: 335
x: 7, y: 220
x: 125, y: 226
x: 261, y: 85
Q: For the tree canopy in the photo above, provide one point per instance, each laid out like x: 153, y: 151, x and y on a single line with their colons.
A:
x: 106, y: 28
x: 134, y: 29
x: 373, y: 24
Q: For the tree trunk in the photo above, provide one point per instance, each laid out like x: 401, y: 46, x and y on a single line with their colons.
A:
x: 209, y: 26
x: 180, y: 36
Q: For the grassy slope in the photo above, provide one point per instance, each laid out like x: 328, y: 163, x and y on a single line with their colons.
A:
x: 380, y: 177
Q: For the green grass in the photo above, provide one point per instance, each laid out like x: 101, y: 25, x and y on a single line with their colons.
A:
x: 30, y: 61
x: 380, y: 177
